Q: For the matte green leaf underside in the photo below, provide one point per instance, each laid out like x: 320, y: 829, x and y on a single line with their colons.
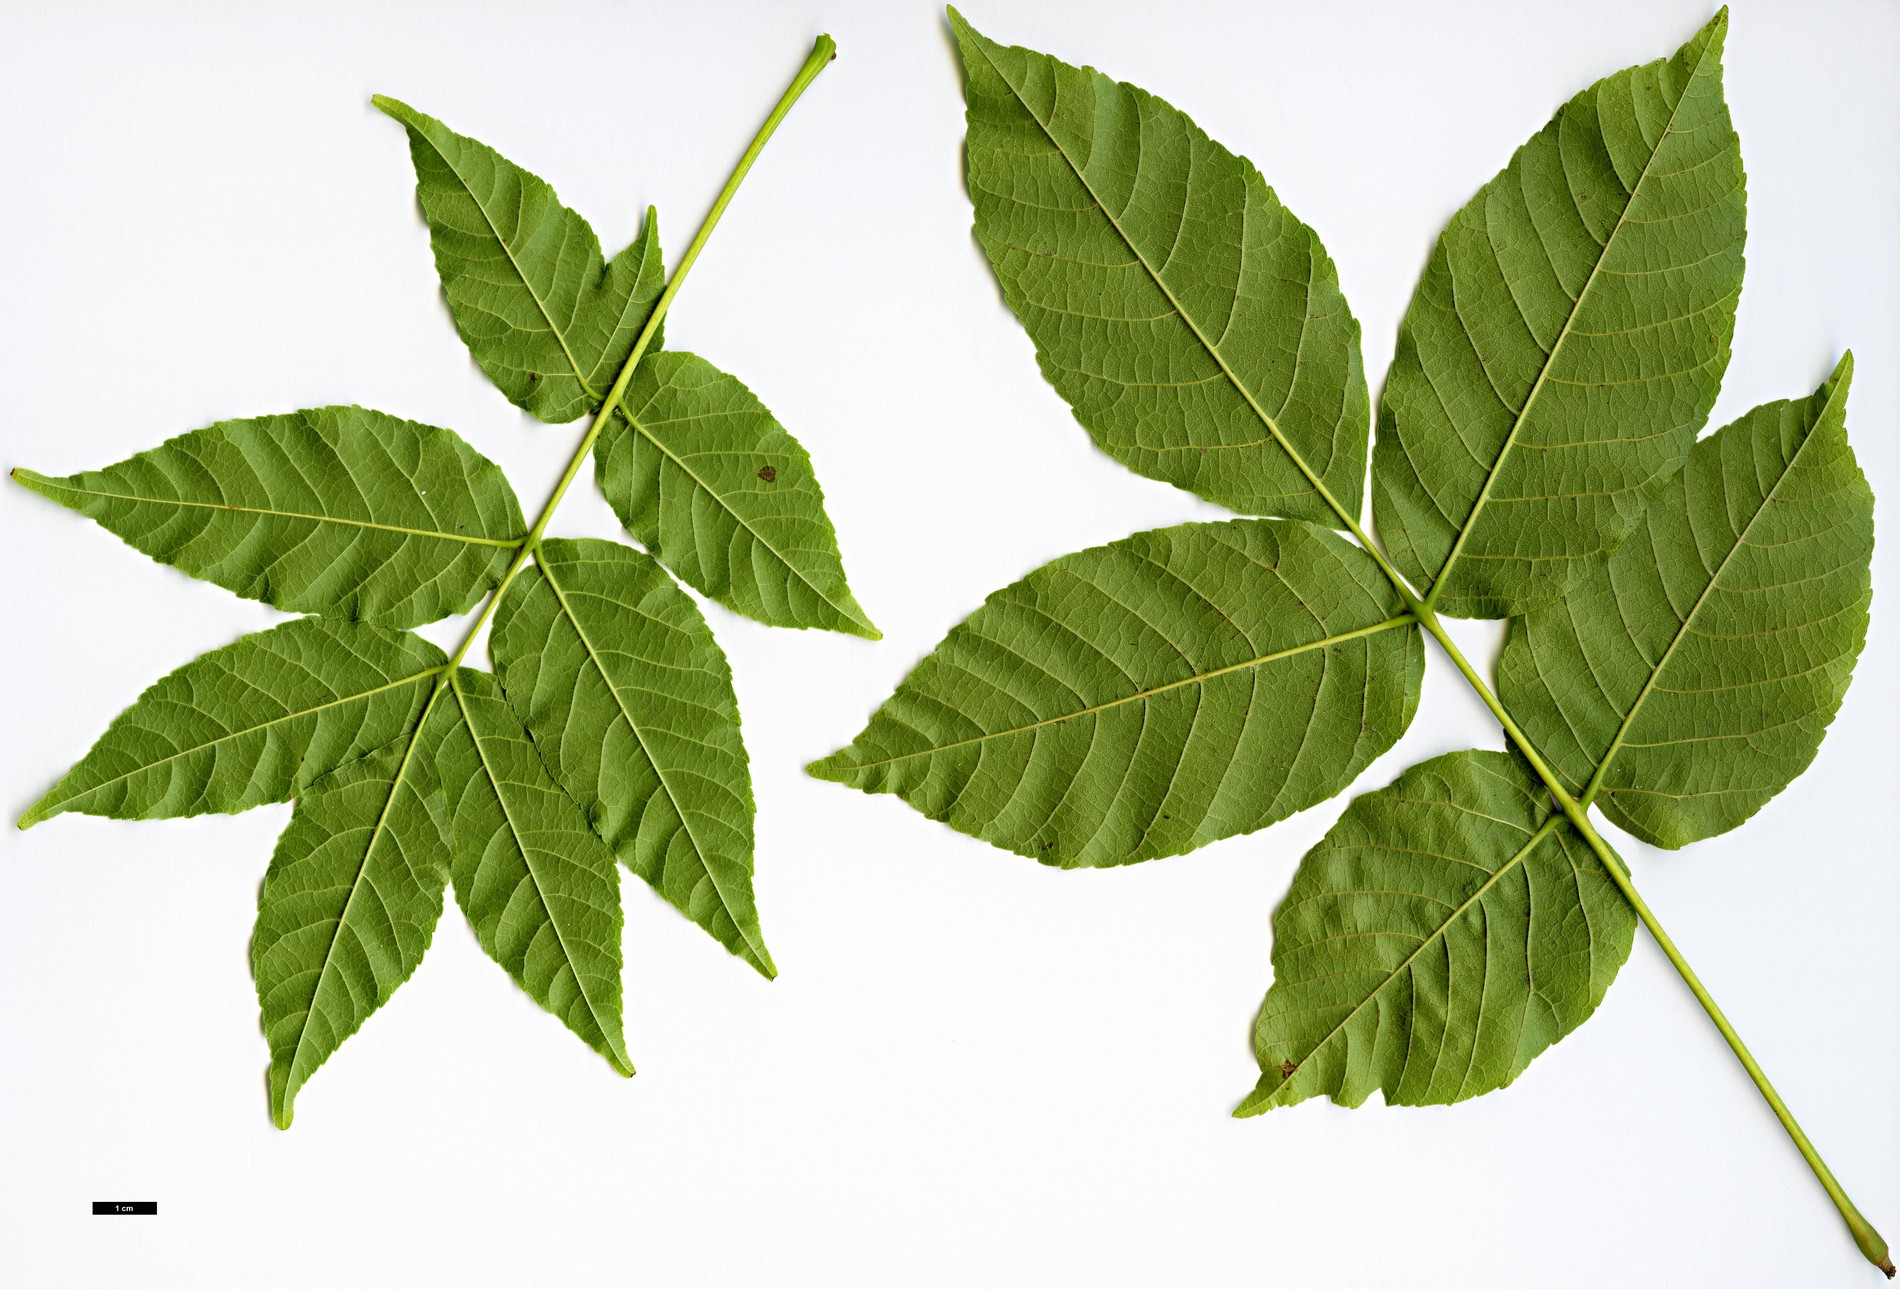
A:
x: 257, y: 721
x: 538, y: 885
x: 1192, y: 323
x: 349, y: 903
x: 1446, y: 930
x: 335, y: 510
x: 1149, y: 696
x: 1705, y: 659
x: 545, y: 317
x: 706, y: 478
x: 630, y: 702
x: 1566, y: 341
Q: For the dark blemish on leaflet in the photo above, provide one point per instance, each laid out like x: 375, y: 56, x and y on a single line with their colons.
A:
x: 768, y: 474
x: 1287, y: 1068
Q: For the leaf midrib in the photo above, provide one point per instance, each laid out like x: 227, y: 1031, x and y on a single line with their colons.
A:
x: 1550, y: 359
x: 659, y: 772
x: 34, y: 816
x: 1404, y: 619
x: 1212, y: 349
x: 64, y: 486
x: 1688, y: 619
x: 527, y: 862
x: 291, y: 1082
x: 560, y: 336
x: 1544, y: 829
x: 640, y: 429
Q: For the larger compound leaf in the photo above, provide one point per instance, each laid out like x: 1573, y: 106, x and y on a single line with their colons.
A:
x: 1566, y: 341
x: 537, y: 884
x: 630, y: 702
x: 546, y: 318
x: 710, y: 482
x: 349, y: 903
x: 1445, y: 931
x: 1149, y: 696
x: 257, y: 721
x: 1690, y: 677
x: 1192, y: 323
x: 334, y: 510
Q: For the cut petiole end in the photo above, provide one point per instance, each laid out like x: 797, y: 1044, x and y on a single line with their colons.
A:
x: 1871, y: 1245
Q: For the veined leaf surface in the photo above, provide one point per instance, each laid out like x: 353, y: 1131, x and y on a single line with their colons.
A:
x: 334, y: 510
x: 539, y: 887
x: 1566, y: 341
x: 1149, y: 696
x: 349, y: 903
x: 630, y: 702
x: 710, y: 482
x: 545, y: 317
x: 257, y: 721
x: 1446, y: 930
x: 1690, y: 677
x: 1192, y: 323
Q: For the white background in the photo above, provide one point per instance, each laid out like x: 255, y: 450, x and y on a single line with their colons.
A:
x: 972, y: 1071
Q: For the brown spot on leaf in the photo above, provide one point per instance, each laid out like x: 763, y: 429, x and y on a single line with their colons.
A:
x: 1287, y: 1068
x: 768, y: 474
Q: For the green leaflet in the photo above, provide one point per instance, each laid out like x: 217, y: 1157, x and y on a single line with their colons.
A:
x: 547, y: 320
x: 257, y: 721
x: 1149, y: 696
x: 1690, y: 677
x: 538, y: 886
x: 349, y: 903
x: 334, y: 510
x: 1192, y: 323
x: 1445, y: 931
x: 1566, y: 341
x: 630, y: 702
x: 707, y: 479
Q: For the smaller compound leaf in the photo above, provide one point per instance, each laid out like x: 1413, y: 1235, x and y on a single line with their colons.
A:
x: 350, y: 902
x: 1191, y: 322
x: 711, y: 483
x: 1691, y: 676
x: 537, y: 884
x: 1448, y: 929
x: 1566, y: 340
x: 257, y: 721
x: 1147, y: 697
x: 629, y: 699
x: 542, y: 314
x: 335, y: 510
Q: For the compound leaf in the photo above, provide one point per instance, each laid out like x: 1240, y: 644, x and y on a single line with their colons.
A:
x: 542, y: 314
x: 1566, y: 341
x: 257, y: 721
x: 629, y: 699
x: 1446, y: 930
x: 538, y: 886
x: 1690, y: 677
x: 1149, y: 696
x: 349, y: 903
x: 710, y: 482
x: 334, y: 510
x: 1191, y: 322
